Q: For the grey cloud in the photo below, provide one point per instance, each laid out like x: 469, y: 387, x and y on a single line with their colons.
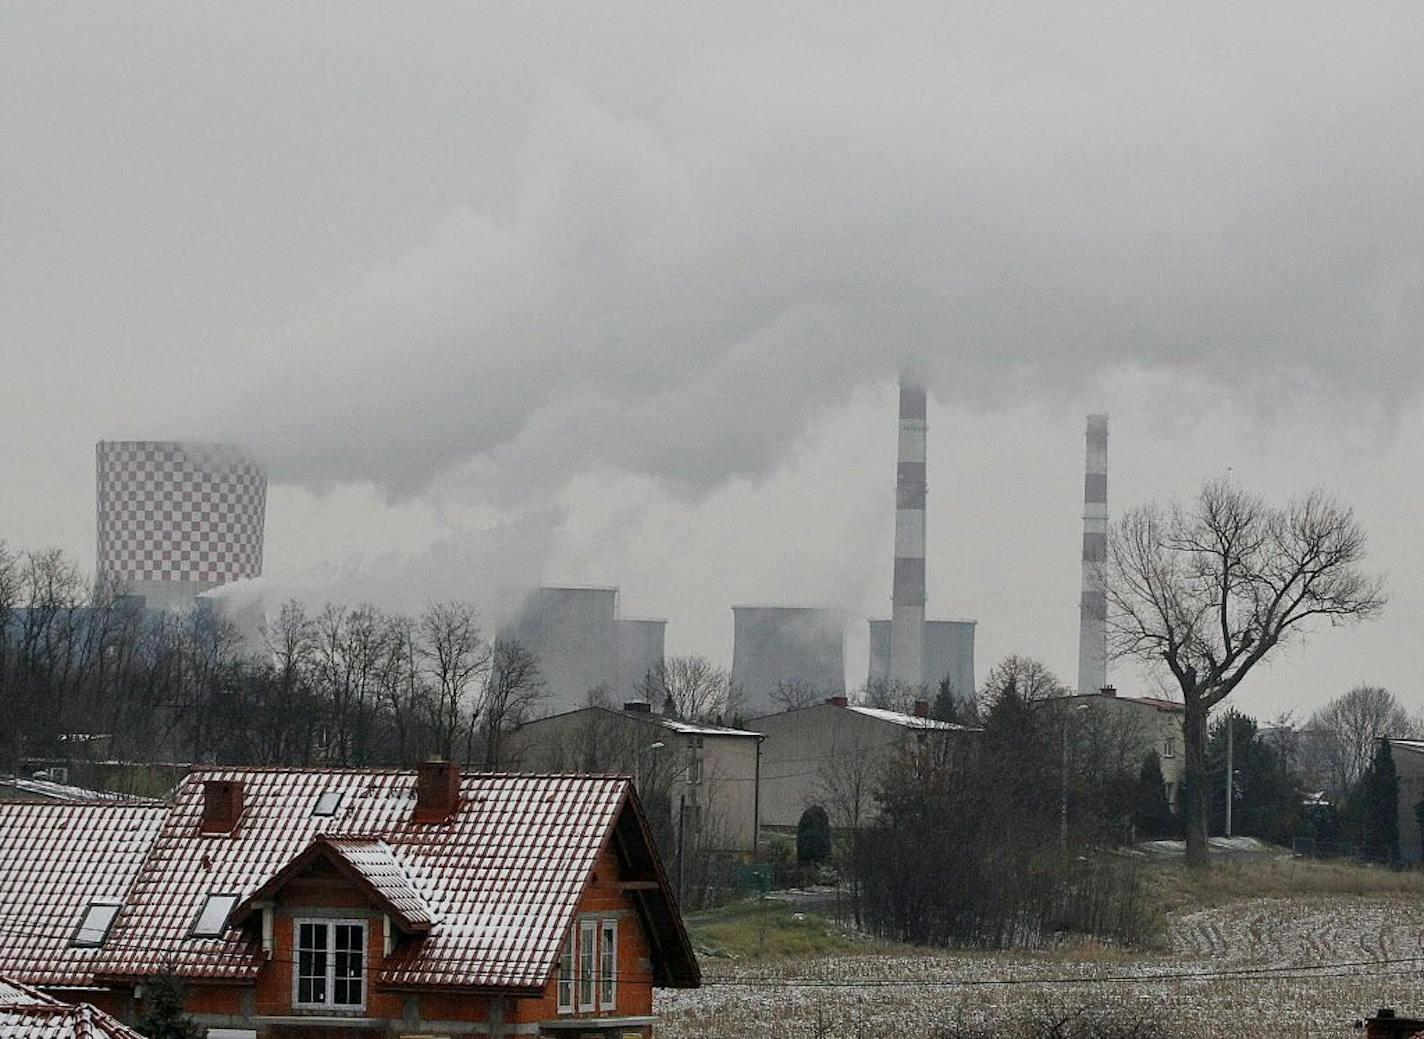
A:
x: 677, y: 291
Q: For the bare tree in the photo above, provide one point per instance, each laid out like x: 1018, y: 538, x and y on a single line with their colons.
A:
x: 1031, y: 679
x: 795, y: 693
x: 1344, y: 731
x: 1208, y: 589
x: 515, y: 686
x: 456, y: 657
x: 890, y: 696
x: 698, y: 688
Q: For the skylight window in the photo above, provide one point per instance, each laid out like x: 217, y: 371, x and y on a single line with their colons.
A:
x: 212, y: 919
x: 328, y: 803
x: 98, y: 918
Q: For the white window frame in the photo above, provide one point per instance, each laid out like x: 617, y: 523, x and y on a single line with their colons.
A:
x: 608, y: 965
x: 92, y: 937
x: 1169, y: 747
x: 568, y: 959
x: 587, y: 966
x: 331, y: 925
x: 208, y: 901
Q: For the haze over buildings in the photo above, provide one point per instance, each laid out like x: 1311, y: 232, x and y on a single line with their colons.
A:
x: 582, y: 645
x: 785, y: 646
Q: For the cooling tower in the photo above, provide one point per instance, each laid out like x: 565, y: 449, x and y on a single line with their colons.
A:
x: 948, y: 650
x: 1092, y: 624
x: 783, y: 645
x: 640, y: 651
x: 176, y: 519
x: 573, y: 633
x: 907, y: 620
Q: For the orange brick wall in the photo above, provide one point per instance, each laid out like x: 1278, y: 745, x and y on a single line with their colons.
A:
x: 634, y: 991
x: 272, y: 993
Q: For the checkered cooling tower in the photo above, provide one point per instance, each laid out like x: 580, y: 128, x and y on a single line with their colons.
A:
x: 172, y: 511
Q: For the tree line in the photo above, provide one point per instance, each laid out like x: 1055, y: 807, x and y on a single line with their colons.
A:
x: 343, y: 685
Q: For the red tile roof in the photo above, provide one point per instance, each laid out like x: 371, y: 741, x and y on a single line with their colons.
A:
x: 368, y: 863
x: 500, y: 879
x: 27, y: 1014
x: 55, y: 859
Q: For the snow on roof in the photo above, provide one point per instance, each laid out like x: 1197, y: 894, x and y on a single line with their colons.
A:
x: 51, y: 791
x: 501, y: 877
x: 56, y: 858
x: 1415, y: 745
x: 908, y: 721
x: 651, y: 717
x: 28, y: 1014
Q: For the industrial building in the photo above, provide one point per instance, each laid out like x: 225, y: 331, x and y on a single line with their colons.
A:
x: 582, y: 645
x: 1093, y: 608
x: 948, y: 652
x: 776, y: 646
x: 176, y: 519
x: 706, y: 775
x: 831, y: 754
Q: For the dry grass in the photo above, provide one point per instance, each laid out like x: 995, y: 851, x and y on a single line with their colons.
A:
x: 1314, y: 946
x: 1179, y: 889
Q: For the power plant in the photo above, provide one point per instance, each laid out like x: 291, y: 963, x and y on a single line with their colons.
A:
x: 907, y: 610
x: 176, y: 519
x: 1093, y: 610
x: 582, y: 645
x: 948, y: 653
x: 776, y: 646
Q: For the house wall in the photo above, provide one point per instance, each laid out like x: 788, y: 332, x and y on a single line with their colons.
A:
x: 821, y: 755
x: 600, y: 740
x: 1142, y: 728
x: 1409, y: 764
x: 401, y: 1012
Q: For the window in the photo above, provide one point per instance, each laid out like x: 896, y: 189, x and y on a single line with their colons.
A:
x: 94, y: 927
x: 1169, y: 747
x: 327, y: 803
x: 608, y: 965
x: 566, y: 976
x: 588, y: 936
x: 331, y: 964
x: 212, y: 917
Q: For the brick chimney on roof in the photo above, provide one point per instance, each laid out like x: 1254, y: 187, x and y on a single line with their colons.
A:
x: 437, y: 791
x: 922, y: 708
x: 222, y: 804
x: 837, y: 701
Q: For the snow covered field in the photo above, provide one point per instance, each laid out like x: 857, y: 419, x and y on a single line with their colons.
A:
x: 1294, y: 967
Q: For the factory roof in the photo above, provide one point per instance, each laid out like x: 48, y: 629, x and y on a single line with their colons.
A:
x: 651, y: 717
x: 908, y: 721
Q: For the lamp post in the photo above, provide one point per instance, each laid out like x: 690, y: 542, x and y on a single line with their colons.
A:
x: 1063, y: 793
x: 638, y: 764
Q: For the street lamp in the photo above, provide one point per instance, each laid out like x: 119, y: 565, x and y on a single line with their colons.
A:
x: 1063, y: 798
x: 638, y: 764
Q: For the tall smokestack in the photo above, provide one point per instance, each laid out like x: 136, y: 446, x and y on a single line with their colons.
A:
x: 907, y: 619
x: 1093, y: 623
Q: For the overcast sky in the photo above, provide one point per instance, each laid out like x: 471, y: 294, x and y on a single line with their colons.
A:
x: 616, y: 294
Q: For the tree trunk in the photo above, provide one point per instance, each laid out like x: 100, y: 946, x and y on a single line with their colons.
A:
x: 1196, y: 800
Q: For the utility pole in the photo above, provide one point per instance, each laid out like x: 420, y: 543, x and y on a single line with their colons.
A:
x: 681, y: 825
x: 1230, y: 766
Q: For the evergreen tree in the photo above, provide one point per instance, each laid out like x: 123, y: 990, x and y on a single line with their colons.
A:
x: 945, y: 708
x: 813, y: 836
x: 1265, y: 796
x: 1152, y: 812
x: 164, y: 1017
x: 1374, y: 807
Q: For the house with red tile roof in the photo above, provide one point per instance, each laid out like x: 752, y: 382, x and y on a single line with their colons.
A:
x: 27, y: 1013
x: 317, y: 902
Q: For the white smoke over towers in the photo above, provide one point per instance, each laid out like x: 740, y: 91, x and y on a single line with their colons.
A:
x: 907, y: 619
x: 1092, y: 626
